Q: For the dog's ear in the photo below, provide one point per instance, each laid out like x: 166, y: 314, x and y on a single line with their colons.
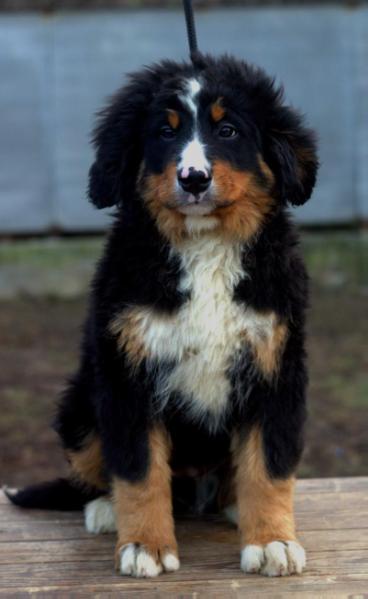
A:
x: 291, y: 152
x: 118, y: 143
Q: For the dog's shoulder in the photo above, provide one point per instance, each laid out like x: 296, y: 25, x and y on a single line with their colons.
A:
x: 277, y: 277
x: 137, y: 267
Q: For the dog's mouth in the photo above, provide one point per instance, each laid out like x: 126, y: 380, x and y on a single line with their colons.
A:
x: 200, y: 204
x: 197, y: 205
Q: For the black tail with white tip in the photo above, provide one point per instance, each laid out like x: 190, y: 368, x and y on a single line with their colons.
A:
x: 60, y: 494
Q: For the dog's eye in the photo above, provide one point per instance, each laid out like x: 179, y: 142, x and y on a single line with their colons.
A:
x: 167, y: 132
x: 227, y: 131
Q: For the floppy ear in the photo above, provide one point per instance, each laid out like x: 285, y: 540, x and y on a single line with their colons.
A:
x: 118, y: 143
x: 291, y: 152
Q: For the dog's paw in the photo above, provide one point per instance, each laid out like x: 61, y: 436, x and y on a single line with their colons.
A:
x: 137, y: 560
x: 279, y: 558
x: 99, y: 516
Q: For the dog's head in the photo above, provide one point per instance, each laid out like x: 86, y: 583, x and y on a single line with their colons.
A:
x: 205, y: 146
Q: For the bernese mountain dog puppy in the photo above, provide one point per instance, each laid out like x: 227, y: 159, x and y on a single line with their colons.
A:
x: 192, y: 362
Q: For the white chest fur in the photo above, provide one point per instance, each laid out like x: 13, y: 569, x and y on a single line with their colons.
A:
x: 202, y: 338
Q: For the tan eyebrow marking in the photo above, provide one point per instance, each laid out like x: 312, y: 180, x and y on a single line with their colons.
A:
x: 217, y: 110
x: 173, y: 118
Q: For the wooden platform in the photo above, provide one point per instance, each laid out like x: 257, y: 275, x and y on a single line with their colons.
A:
x: 45, y: 554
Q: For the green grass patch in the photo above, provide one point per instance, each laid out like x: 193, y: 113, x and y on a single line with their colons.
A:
x: 53, y: 266
x: 335, y: 259
x: 50, y: 252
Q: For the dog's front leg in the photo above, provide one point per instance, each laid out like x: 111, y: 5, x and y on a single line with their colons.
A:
x: 265, y: 513
x: 146, y: 539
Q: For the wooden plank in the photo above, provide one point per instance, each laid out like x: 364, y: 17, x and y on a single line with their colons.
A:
x: 101, y: 548
x: 224, y: 566
x: 335, y: 485
x: 41, y: 531
x: 48, y: 554
x: 63, y: 577
x: 53, y: 530
x: 334, y: 587
x: 238, y: 589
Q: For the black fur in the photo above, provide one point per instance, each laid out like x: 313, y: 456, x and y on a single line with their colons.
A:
x: 59, y: 494
x: 137, y: 268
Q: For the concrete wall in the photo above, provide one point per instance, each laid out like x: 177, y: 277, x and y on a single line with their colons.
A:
x: 56, y: 71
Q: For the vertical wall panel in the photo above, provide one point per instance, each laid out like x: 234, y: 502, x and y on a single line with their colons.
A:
x: 361, y: 112
x: 25, y: 170
x: 56, y: 72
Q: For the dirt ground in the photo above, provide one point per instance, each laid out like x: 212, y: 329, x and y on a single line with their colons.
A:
x: 39, y: 339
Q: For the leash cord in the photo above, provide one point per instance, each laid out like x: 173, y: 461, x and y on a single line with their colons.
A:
x: 191, y: 30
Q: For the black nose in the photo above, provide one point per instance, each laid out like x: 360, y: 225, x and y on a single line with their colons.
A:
x: 194, y: 182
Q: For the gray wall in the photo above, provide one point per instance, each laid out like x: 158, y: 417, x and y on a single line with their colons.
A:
x: 56, y: 71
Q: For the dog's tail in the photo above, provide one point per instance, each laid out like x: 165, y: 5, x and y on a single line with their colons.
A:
x: 60, y: 494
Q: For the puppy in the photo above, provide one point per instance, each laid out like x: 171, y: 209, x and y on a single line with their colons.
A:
x: 192, y: 361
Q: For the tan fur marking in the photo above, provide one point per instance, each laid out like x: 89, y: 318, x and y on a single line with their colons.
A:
x: 144, y: 509
x: 158, y: 194
x: 217, y: 110
x: 243, y: 202
x: 87, y: 463
x: 125, y: 327
x: 247, y: 204
x: 265, y: 506
x: 173, y: 118
x: 171, y: 224
x: 268, y: 349
x: 268, y: 174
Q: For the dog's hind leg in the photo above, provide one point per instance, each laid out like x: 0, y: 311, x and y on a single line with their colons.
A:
x: 99, y: 515
x: 87, y: 464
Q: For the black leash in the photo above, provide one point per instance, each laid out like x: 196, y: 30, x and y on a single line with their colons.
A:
x: 191, y: 30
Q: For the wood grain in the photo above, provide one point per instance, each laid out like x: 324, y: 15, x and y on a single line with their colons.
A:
x: 49, y: 554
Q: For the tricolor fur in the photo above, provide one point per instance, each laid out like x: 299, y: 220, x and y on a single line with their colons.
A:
x: 192, y: 362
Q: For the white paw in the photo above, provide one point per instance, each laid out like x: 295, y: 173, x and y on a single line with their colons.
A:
x: 136, y: 561
x: 99, y: 516
x: 279, y: 558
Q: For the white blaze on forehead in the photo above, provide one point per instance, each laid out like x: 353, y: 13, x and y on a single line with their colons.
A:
x: 194, y: 86
x: 192, y: 89
x: 193, y: 155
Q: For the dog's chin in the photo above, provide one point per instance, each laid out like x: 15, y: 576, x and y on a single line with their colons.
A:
x: 200, y: 209
x: 191, y: 205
